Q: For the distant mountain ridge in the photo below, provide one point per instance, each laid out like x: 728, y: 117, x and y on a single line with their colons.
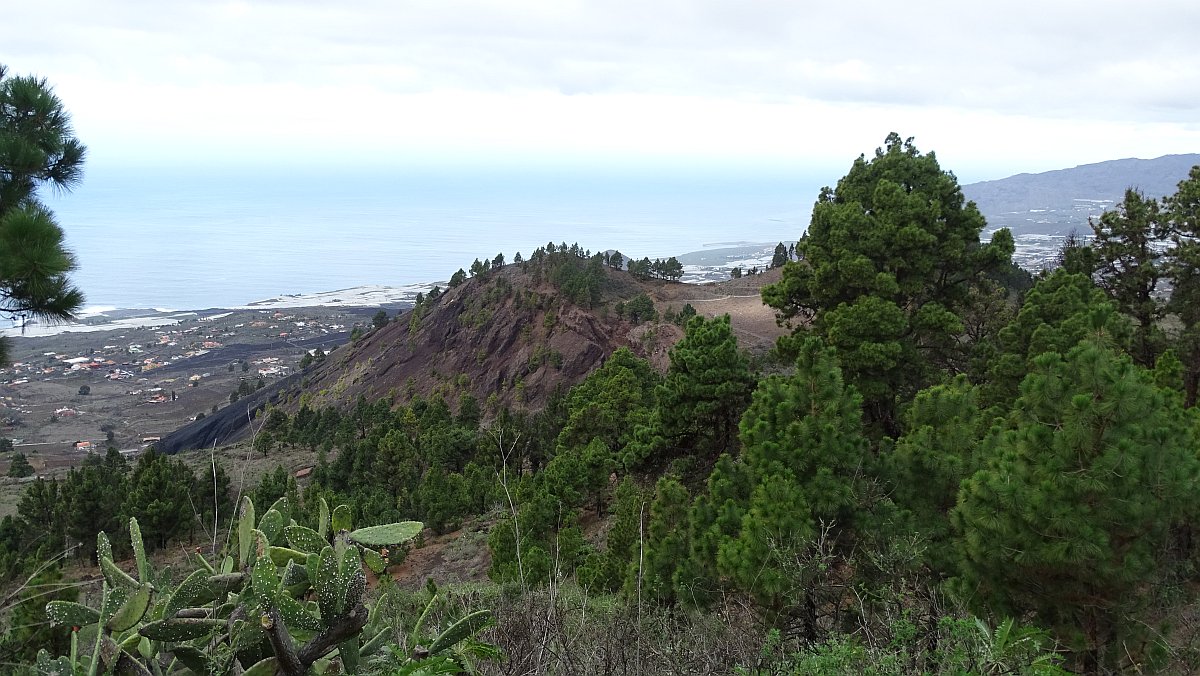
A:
x: 1058, y: 202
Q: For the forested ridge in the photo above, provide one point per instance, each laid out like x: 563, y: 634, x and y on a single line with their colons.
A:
x: 949, y: 465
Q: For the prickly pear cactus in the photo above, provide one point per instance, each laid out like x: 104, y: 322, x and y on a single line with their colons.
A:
x: 125, y: 603
x: 248, y: 609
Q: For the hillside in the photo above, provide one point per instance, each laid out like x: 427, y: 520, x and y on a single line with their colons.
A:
x: 1059, y: 202
x: 500, y: 334
x: 509, y: 338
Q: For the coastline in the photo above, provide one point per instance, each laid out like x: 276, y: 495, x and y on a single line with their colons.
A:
x: 699, y: 267
x: 114, y: 319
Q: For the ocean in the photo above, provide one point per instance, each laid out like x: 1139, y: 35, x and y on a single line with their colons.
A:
x: 197, y: 238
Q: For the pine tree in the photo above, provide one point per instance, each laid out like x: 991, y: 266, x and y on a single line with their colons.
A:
x: 611, y: 402
x: 115, y: 464
x: 550, y: 541
x: 939, y: 449
x: 1183, y: 269
x: 885, y: 269
x: 1127, y: 255
x: 804, y: 450
x: 1060, y: 310
x: 92, y: 498
x: 41, y: 512
x: 672, y: 269
x: 38, y: 148
x: 441, y: 498
x: 579, y: 473
x: 616, y: 260
x: 705, y: 392
x: 271, y: 486
x: 715, y: 518
x: 608, y: 569
x: 621, y: 541
x: 1071, y: 516
x: 158, y: 497
x: 780, y: 257
x: 666, y: 544
x: 19, y: 467
x: 211, y: 491
x: 482, y: 490
x: 28, y: 628
x: 640, y: 309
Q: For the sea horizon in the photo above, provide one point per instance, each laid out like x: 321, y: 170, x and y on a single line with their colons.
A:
x: 198, y: 238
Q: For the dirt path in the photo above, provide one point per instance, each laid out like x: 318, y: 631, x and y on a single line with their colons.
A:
x: 753, y: 322
x: 709, y: 300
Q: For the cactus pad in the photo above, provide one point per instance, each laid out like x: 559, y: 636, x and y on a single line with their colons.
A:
x: 464, y: 628
x: 192, y: 659
x: 341, y: 518
x: 226, y: 583
x: 295, y: 616
x: 305, y: 539
x: 180, y: 629
x: 48, y: 667
x: 115, y: 576
x: 323, y: 518
x: 282, y: 555
x: 131, y: 611
x: 356, y: 584
x: 271, y: 524
x: 264, y: 581
x: 245, y: 525
x: 199, y: 558
x: 283, y: 507
x: 71, y: 614
x: 194, y: 589
x: 326, y: 583
x: 373, y: 560
x: 139, y: 551
x: 294, y: 573
x: 103, y: 546
x: 267, y: 667
x: 387, y: 534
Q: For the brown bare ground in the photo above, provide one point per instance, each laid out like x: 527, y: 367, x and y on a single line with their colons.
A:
x: 753, y: 322
x: 457, y: 556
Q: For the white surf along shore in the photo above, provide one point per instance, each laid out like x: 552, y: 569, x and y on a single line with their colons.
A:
x: 698, y: 267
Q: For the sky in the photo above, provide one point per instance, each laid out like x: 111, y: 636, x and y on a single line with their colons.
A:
x: 993, y: 88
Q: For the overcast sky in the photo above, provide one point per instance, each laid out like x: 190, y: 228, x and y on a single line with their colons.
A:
x: 993, y: 88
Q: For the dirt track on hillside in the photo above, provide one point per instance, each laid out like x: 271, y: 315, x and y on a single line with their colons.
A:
x: 753, y: 322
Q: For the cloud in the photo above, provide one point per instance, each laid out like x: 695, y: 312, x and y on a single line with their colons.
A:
x: 665, y: 77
